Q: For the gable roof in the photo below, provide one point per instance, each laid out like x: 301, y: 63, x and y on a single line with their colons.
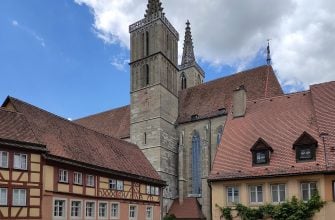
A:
x: 14, y: 126
x: 115, y: 122
x: 280, y: 121
x: 71, y: 141
x: 206, y: 100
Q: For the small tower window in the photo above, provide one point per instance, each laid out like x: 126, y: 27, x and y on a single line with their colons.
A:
x: 145, y: 137
x: 147, y: 37
x: 183, y: 81
x: 147, y: 75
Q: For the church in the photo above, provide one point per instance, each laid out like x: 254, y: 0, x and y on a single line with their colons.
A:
x: 175, y: 118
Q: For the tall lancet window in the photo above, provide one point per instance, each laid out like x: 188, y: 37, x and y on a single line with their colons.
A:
x: 219, y: 135
x: 147, y: 75
x: 196, y: 163
x: 183, y: 81
x: 147, y: 43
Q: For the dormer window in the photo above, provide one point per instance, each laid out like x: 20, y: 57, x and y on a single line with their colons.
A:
x: 305, y: 148
x: 261, y: 152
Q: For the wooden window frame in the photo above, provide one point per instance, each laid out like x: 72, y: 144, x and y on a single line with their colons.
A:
x: 78, y: 178
x: 25, y: 196
x: 151, y: 217
x: 94, y: 209
x: 88, y: 183
x: 81, y: 209
x: 234, y: 188
x: 278, y: 192
x: 60, y: 175
x: 135, y: 212
x: 64, y: 216
x: 6, y: 190
x: 106, y: 210
x: 20, y: 156
x: 118, y: 210
x: 1, y: 161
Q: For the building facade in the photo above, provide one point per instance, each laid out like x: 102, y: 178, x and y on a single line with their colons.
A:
x: 52, y: 168
x: 278, y: 148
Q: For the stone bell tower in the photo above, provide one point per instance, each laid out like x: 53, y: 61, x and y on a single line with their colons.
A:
x: 154, y: 93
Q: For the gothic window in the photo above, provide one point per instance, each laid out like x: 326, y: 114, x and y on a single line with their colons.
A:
x: 196, y: 163
x: 183, y: 81
x: 305, y: 147
x: 147, y: 43
x: 261, y: 152
x: 219, y: 135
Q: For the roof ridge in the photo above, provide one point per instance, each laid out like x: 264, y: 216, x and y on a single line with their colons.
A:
x: 278, y: 96
x: 322, y: 83
x: 71, y: 122
x: 100, y: 113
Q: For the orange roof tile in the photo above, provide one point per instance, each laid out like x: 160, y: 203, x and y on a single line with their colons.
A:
x: 189, y: 209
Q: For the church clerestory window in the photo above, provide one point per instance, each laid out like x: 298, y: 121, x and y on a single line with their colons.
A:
x: 196, y: 164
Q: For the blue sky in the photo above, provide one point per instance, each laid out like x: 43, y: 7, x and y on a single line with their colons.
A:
x: 51, y: 57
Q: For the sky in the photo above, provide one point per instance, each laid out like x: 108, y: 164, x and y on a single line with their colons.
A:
x: 70, y: 57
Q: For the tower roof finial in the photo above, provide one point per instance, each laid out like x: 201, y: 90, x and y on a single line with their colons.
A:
x: 153, y: 7
x: 188, y: 53
x: 268, y: 58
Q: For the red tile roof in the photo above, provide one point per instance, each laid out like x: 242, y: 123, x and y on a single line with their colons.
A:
x: 206, y: 99
x: 279, y: 121
x: 14, y: 126
x: 69, y: 140
x: 189, y: 209
x: 323, y: 96
x: 114, y: 123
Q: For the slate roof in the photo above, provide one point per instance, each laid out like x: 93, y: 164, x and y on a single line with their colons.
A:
x: 280, y: 121
x: 189, y: 209
x: 69, y: 140
x: 14, y: 126
x: 115, y: 122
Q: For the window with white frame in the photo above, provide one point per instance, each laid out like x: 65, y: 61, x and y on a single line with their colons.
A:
x: 77, y: 178
x: 278, y: 193
x: 59, y: 208
x: 115, y: 210
x: 19, y: 197
x: 20, y: 161
x: 157, y: 191
x: 149, y: 212
x: 3, y: 196
x: 233, y: 195
x: 112, y: 184
x: 63, y: 176
x: 132, y: 212
x: 103, y: 210
x: 308, y: 189
x: 256, y: 194
x: 76, y: 208
x: 90, y: 180
x: 119, y: 185
x: 151, y: 190
x: 3, y: 159
x: 90, y: 209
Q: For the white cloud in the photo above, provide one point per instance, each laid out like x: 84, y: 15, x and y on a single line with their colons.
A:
x: 231, y: 33
x: 29, y: 31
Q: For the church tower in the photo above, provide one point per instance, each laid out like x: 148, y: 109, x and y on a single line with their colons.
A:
x: 154, y: 93
x: 190, y: 73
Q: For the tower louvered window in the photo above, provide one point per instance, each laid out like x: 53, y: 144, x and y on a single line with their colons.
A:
x: 183, y: 81
x: 196, y: 164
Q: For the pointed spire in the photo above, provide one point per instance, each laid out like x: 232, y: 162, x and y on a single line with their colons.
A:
x: 268, y: 59
x: 188, y: 53
x: 153, y: 7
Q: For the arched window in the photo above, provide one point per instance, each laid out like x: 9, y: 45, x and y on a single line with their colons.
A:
x: 183, y: 81
x: 147, y: 75
x: 219, y: 135
x: 196, y: 163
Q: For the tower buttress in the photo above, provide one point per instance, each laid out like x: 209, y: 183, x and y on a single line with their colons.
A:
x: 190, y: 73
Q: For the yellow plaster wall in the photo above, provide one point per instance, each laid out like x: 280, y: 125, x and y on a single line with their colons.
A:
x: 16, y: 175
x: 219, y: 195
x: 78, y: 189
x: 35, y: 177
x: 90, y: 191
x: 4, y: 211
x: 35, y: 201
x: 34, y: 212
x: 48, y: 176
x: 5, y: 174
x: 24, y: 212
x: 63, y: 187
x: 34, y: 192
x: 35, y: 158
x: 36, y: 167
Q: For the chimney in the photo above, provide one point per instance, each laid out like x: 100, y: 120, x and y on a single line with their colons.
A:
x: 239, y: 102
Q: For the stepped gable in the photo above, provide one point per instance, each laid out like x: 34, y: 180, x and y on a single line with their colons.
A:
x: 15, y: 127
x: 323, y: 96
x: 69, y: 140
x: 206, y: 99
x: 279, y: 121
x: 189, y: 209
x: 113, y: 123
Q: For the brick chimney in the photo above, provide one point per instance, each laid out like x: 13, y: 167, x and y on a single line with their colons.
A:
x: 239, y: 102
